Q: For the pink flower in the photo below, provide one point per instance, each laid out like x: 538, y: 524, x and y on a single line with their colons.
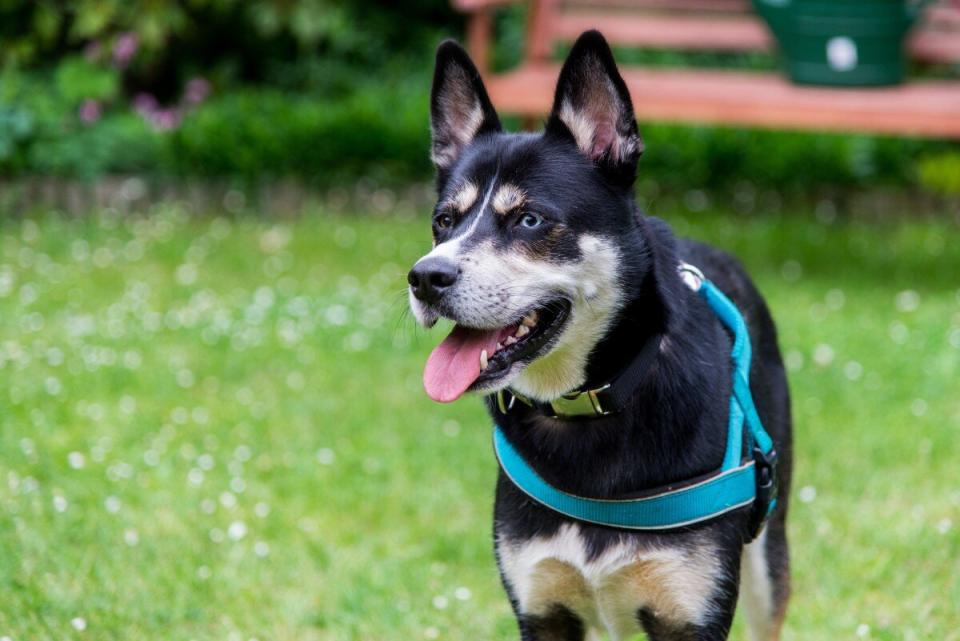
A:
x: 166, y: 119
x: 124, y: 49
x: 89, y: 111
x: 197, y: 90
x: 144, y: 104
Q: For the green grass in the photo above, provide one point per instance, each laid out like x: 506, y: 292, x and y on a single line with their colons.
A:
x: 214, y: 429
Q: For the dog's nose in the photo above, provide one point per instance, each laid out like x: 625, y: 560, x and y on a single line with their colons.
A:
x: 431, y: 277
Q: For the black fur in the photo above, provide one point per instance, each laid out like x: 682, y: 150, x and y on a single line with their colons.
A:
x: 674, y: 427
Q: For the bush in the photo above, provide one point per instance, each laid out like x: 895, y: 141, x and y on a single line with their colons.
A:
x: 940, y: 172
x: 378, y: 131
x: 159, y: 44
x: 273, y: 133
x: 681, y: 157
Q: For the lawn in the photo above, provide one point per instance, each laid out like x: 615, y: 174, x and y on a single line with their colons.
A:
x: 213, y: 428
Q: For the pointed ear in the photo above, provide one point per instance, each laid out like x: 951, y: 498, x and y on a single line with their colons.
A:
x: 592, y: 106
x: 460, y: 109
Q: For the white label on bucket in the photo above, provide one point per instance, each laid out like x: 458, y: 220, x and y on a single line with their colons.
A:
x: 841, y: 53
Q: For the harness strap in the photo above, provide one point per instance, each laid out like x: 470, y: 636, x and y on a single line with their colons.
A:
x: 668, y: 508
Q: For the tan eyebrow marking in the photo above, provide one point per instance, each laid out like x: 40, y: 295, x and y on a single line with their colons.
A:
x: 464, y: 197
x: 508, y: 198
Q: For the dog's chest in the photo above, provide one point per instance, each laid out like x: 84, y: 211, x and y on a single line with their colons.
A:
x: 608, y: 591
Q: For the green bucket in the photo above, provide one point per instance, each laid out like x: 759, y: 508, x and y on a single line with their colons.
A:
x: 843, y: 42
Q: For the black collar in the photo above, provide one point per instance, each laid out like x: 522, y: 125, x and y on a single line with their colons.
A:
x: 599, y: 401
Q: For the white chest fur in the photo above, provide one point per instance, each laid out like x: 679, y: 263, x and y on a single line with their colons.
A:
x: 675, y: 583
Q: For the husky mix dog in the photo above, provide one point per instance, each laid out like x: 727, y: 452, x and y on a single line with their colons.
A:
x: 555, y: 282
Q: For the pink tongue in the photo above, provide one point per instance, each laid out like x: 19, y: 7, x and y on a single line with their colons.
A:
x: 455, y: 363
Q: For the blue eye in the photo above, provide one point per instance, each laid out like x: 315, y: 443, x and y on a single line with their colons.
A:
x: 530, y: 221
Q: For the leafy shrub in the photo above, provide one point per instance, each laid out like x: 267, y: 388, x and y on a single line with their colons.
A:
x: 940, y: 172
x: 682, y: 157
x: 16, y: 127
x: 78, y: 79
x: 157, y: 45
x: 273, y: 133
x: 122, y: 143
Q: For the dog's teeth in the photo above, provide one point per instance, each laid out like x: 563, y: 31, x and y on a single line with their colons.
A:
x: 510, y: 340
x: 483, y: 360
x: 522, y: 331
x: 500, y: 346
x: 530, y: 320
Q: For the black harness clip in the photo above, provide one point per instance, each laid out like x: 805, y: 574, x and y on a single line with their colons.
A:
x: 767, y: 489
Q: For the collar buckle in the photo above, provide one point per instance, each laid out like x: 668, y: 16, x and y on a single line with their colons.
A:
x: 585, y: 403
x: 503, y: 404
x: 576, y: 404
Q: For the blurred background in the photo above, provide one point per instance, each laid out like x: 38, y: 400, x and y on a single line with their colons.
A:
x: 212, y: 424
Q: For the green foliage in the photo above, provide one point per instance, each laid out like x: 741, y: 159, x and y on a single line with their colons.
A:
x: 41, y: 131
x: 160, y: 44
x: 684, y: 157
x: 941, y: 172
x: 272, y: 133
x: 214, y: 427
x: 122, y: 144
x: 16, y: 126
x: 78, y: 79
x: 156, y: 23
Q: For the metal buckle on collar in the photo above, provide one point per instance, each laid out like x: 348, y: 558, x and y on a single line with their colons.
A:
x: 584, y: 403
x: 503, y: 404
x: 765, y: 502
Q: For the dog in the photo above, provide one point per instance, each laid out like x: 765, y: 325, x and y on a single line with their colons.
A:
x: 556, y: 282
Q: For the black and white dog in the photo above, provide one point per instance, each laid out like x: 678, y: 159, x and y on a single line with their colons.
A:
x: 556, y: 282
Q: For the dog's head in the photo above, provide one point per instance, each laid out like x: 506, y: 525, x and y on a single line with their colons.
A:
x: 530, y: 230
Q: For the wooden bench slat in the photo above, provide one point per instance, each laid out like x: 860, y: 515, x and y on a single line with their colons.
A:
x: 673, y: 31
x: 928, y: 45
x: 719, y: 33
x: 718, y: 6
x: 927, y: 109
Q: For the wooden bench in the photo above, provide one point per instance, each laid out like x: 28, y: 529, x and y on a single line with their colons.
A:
x: 925, y: 108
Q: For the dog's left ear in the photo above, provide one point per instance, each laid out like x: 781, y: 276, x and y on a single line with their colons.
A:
x: 460, y: 109
x: 592, y: 106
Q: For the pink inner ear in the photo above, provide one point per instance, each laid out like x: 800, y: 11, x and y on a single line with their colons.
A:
x: 604, y: 140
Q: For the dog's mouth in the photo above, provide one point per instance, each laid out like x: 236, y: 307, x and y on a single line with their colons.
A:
x: 471, y: 359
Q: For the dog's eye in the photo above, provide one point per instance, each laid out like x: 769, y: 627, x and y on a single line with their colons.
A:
x: 442, y: 221
x: 530, y: 221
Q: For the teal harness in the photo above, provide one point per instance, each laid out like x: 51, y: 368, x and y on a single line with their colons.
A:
x: 740, y: 481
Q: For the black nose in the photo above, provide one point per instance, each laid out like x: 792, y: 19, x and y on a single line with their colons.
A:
x: 430, y: 278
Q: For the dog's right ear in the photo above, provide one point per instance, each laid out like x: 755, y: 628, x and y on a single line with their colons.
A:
x: 460, y: 109
x: 592, y: 108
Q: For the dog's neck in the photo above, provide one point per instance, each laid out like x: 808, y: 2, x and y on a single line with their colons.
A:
x: 634, y: 328
x: 641, y: 319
